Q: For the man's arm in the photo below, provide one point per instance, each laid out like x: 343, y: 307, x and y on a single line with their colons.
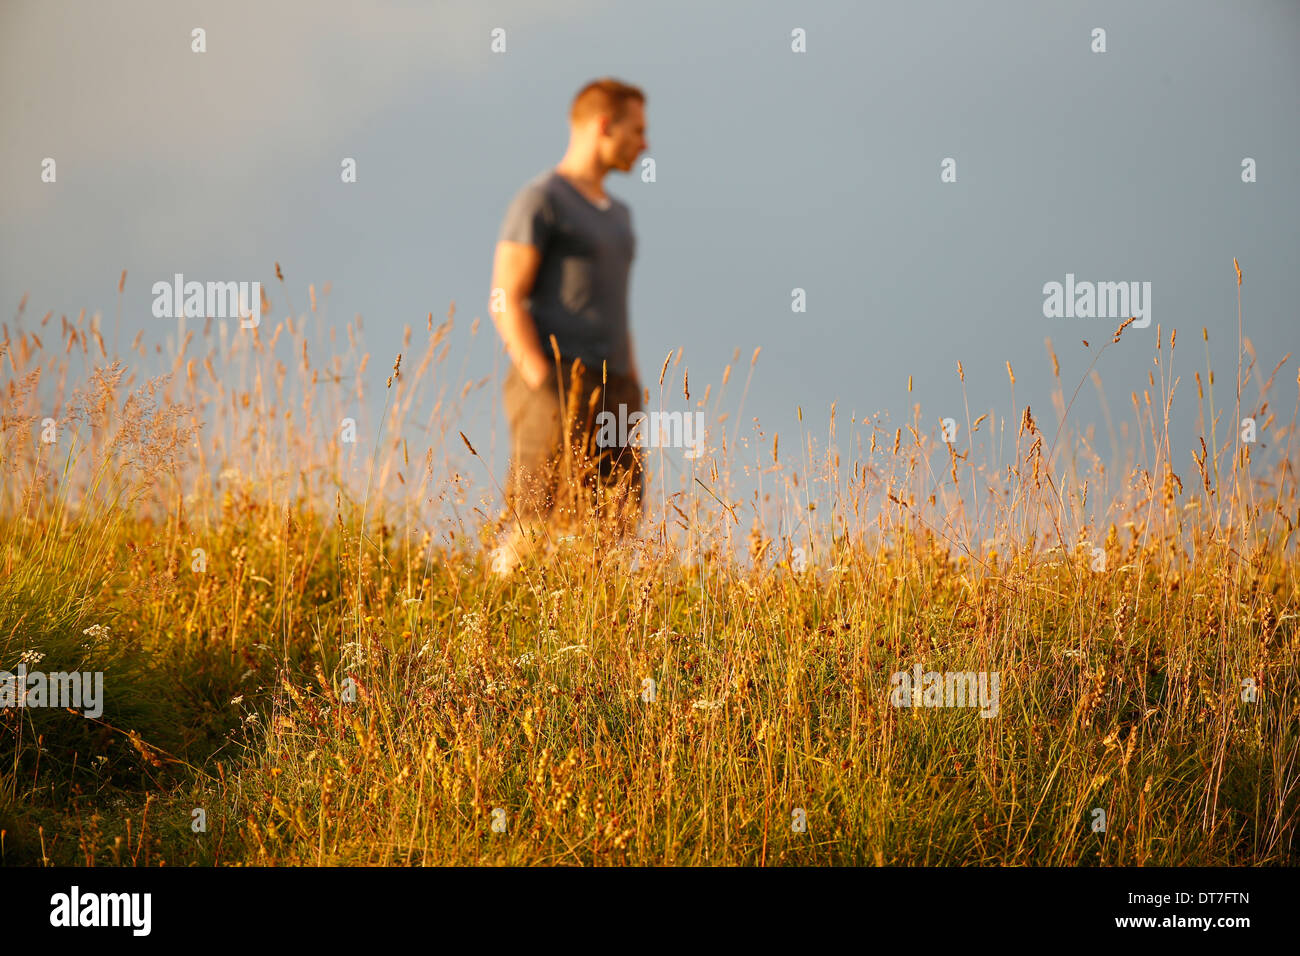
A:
x: 513, y: 273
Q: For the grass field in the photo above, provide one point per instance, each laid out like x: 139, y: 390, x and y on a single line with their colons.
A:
x: 332, y: 677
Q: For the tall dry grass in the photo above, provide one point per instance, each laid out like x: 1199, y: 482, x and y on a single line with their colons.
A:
x: 331, y: 571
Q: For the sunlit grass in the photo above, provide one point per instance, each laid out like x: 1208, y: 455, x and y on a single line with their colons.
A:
x: 324, y: 666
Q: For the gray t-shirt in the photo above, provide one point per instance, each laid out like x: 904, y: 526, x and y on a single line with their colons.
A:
x: 580, y: 294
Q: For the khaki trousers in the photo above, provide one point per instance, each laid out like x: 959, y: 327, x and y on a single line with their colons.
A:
x: 558, y: 474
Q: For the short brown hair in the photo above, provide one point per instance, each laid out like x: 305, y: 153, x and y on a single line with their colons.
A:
x: 605, y: 95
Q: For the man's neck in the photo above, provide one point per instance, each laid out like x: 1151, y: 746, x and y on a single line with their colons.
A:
x: 589, y: 179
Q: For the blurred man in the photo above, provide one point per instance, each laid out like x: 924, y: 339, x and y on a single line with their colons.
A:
x: 560, y: 277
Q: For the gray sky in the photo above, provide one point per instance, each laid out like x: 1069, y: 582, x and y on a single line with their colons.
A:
x: 775, y: 170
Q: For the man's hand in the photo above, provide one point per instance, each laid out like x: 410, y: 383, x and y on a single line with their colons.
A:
x: 534, y: 369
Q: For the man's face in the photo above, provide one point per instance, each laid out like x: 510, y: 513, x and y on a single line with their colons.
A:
x: 625, y: 140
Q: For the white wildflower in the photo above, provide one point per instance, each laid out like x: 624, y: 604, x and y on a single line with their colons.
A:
x: 473, y: 624
x: 97, y: 634
x: 708, y: 704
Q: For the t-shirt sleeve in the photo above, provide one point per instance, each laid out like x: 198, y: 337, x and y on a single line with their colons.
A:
x: 529, y: 219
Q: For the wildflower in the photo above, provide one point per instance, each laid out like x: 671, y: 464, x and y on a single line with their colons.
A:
x: 31, y: 657
x: 97, y: 634
x: 474, y: 625
x: 237, y: 700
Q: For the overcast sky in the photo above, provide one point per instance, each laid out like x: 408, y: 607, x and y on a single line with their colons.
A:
x: 775, y: 170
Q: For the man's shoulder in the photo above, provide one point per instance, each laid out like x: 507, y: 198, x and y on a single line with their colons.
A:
x: 540, y: 187
x: 547, y: 192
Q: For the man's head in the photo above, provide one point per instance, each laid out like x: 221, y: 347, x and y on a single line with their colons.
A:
x: 607, y: 120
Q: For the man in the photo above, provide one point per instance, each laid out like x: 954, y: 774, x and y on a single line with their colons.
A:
x: 559, y: 284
